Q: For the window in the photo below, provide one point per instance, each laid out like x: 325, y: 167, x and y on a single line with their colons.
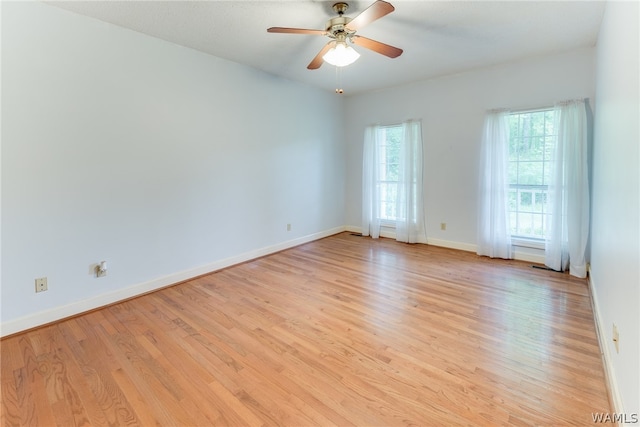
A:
x: 389, y: 143
x: 392, y: 181
x: 531, y: 140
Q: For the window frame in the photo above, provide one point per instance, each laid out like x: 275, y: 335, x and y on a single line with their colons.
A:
x: 527, y: 240
x: 386, y: 221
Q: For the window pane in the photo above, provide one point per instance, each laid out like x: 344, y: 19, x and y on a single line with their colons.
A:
x: 513, y: 196
x: 537, y: 229
x: 525, y: 200
x: 548, y: 147
x: 528, y: 228
x: 537, y: 124
x: 530, y: 173
x: 513, y: 148
x: 538, y: 200
x: 513, y: 172
x: 537, y: 148
x: 525, y: 126
x: 392, y: 171
x: 531, y: 142
x: 514, y: 131
x: 390, y: 138
x: 548, y: 116
x: 546, y: 176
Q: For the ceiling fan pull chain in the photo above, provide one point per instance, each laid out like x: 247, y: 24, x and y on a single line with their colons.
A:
x: 339, y: 80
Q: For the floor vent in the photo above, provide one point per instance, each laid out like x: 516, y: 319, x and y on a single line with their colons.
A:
x: 544, y: 267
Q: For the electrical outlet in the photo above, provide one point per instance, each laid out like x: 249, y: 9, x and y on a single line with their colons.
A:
x: 616, y: 338
x: 101, y: 269
x: 41, y: 284
x: 443, y: 226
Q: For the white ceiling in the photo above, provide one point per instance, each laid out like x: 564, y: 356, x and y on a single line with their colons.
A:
x: 438, y: 37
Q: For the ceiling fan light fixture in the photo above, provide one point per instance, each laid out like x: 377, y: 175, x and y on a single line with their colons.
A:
x: 341, y: 55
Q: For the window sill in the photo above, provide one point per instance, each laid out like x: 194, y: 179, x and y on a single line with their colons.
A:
x: 528, y: 243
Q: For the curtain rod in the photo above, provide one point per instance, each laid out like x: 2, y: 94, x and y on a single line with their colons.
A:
x: 396, y: 123
x: 522, y: 110
x: 543, y: 108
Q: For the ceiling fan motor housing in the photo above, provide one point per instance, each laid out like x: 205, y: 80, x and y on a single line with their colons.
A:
x: 338, y: 25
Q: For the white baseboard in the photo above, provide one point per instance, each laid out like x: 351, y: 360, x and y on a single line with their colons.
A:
x: 58, y: 313
x: 528, y: 257
x: 468, y: 247
x: 612, y: 383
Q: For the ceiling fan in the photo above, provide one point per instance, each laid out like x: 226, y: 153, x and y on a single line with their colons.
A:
x: 342, y: 29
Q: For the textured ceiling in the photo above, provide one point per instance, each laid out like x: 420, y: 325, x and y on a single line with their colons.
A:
x: 438, y: 37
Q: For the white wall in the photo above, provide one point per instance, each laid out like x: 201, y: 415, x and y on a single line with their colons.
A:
x: 615, y: 231
x: 452, y: 110
x: 162, y: 160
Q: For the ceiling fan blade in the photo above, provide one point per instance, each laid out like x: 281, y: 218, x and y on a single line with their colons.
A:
x: 317, y: 61
x: 376, y: 11
x: 384, y: 49
x: 295, y: 31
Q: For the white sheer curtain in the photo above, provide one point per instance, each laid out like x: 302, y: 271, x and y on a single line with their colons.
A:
x: 409, y: 223
x: 370, y: 179
x: 409, y: 203
x: 494, y: 236
x: 568, y: 194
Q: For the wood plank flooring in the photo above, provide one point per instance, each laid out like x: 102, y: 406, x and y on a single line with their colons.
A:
x: 342, y: 331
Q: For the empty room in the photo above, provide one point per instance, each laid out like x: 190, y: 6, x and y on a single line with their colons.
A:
x: 298, y: 213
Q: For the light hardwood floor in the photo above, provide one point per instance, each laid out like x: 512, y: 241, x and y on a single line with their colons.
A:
x: 342, y: 331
